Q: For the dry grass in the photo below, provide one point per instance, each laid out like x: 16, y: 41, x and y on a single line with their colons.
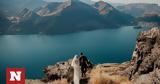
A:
x: 108, y: 79
x: 62, y: 81
x: 111, y: 68
x: 102, y: 75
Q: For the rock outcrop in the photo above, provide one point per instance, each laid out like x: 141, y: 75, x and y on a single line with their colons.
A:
x: 145, y: 63
x: 57, y: 71
x: 61, y: 70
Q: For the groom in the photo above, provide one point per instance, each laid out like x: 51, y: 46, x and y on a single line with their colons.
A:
x: 84, y: 63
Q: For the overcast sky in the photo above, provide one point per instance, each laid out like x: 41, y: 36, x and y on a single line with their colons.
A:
x: 126, y: 1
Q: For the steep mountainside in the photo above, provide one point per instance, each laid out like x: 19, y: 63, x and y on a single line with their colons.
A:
x: 26, y: 23
x: 110, y: 14
x: 53, y: 8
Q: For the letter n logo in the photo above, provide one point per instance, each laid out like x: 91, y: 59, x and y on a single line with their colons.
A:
x: 15, y: 76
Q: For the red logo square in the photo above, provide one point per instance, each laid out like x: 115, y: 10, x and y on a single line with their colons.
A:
x: 15, y: 76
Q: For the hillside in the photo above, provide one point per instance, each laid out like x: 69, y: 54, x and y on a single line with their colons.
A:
x: 149, y: 20
x: 70, y: 16
x: 139, y: 9
x: 110, y: 13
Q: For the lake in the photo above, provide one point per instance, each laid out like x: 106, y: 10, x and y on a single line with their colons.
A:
x: 35, y: 52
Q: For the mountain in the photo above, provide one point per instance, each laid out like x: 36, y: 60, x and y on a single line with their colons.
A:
x: 67, y: 17
x: 139, y: 9
x: 149, y: 20
x: 26, y: 24
x: 12, y: 7
x: 90, y: 2
x: 112, y: 14
x: 52, y: 8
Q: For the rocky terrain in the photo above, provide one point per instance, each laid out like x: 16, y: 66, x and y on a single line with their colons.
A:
x: 145, y: 64
x: 143, y: 68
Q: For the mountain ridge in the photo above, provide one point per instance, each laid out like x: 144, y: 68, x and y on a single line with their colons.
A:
x: 139, y: 9
x: 68, y: 17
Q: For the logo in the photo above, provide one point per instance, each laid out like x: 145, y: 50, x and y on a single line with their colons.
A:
x: 15, y: 76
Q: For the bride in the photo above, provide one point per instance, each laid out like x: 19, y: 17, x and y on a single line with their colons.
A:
x: 76, y: 67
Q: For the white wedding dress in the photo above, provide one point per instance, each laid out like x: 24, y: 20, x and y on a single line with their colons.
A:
x: 76, y: 67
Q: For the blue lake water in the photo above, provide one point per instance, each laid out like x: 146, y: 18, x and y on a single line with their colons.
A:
x: 35, y: 52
